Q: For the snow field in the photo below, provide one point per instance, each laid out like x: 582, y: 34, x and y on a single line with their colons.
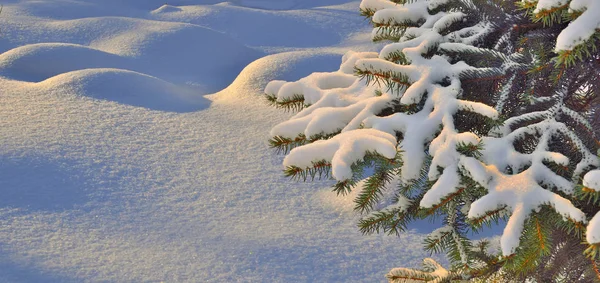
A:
x: 116, y: 168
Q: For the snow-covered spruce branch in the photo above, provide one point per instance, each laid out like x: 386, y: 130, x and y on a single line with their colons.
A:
x: 469, y: 114
x: 581, y: 37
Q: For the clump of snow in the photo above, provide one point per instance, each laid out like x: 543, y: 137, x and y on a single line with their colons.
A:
x: 548, y: 4
x: 580, y: 29
x: 432, y: 269
x: 340, y: 101
x: 592, y: 233
x: 521, y: 194
x: 591, y: 180
x: 343, y: 150
x: 411, y: 12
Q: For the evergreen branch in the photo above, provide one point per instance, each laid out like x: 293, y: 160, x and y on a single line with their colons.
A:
x: 420, y: 185
x: 284, y: 145
x: 294, y: 103
x: 407, y: 275
x: 370, y: 159
x: 470, y: 150
x: 539, y: 124
x: 596, y: 270
x: 573, y: 227
x: 552, y: 15
x: 592, y: 251
x: 391, y: 29
x: 482, y: 74
x: 437, y: 243
x: 394, y: 81
x: 344, y: 187
x: 578, y: 118
x: 492, y: 266
x: 444, y: 201
x: 388, y: 36
x: 528, y: 6
x: 372, y: 189
x: 391, y: 23
x: 536, y: 242
x: 586, y: 194
x: 398, y: 57
x: 483, y: 56
x: 489, y: 217
x: 367, y: 12
x: 520, y: 27
x: 321, y: 169
x: 568, y: 58
x: 394, y: 220
x: 460, y: 246
x: 541, y: 236
x: 390, y: 221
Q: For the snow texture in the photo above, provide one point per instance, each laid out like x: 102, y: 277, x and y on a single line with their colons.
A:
x: 116, y: 167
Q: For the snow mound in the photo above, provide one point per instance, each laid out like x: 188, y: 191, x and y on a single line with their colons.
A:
x: 282, y: 66
x: 126, y: 87
x: 166, y: 9
x: 203, y: 55
x: 294, y: 28
x: 286, y: 4
x: 37, y: 62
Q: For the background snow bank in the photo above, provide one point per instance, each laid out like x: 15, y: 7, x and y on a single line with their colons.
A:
x: 114, y: 167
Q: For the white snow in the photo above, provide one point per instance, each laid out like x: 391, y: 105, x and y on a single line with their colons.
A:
x: 521, y: 194
x: 115, y: 167
x: 548, y: 4
x: 432, y: 128
x: 591, y: 180
x: 343, y: 150
x: 580, y: 29
x: 592, y: 233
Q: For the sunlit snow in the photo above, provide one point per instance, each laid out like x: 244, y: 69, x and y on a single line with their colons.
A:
x: 115, y: 166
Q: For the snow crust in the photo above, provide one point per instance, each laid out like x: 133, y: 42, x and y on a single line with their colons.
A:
x: 116, y: 167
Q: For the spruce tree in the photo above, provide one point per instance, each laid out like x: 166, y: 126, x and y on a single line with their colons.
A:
x: 476, y: 111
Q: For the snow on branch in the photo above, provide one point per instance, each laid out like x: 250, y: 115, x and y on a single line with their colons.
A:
x: 465, y: 118
x: 343, y: 150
